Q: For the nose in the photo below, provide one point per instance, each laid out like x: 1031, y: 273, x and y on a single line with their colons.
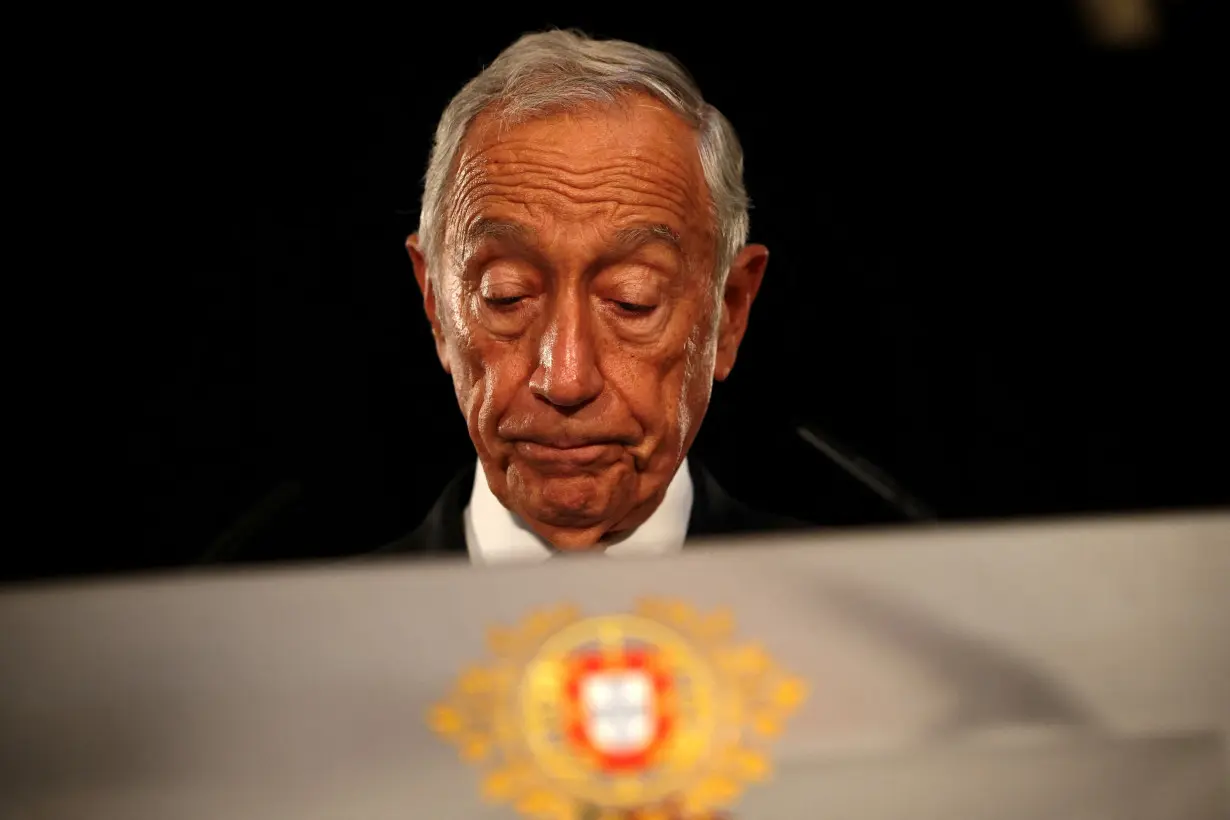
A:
x: 567, y: 374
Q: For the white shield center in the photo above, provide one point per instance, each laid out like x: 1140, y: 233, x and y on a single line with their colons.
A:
x: 620, y: 713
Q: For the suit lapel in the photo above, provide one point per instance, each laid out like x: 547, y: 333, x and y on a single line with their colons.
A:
x: 714, y: 512
x: 442, y: 531
x: 711, y: 506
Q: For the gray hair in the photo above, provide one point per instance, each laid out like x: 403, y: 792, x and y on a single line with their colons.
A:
x: 555, y: 70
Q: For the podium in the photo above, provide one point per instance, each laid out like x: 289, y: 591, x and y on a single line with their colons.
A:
x: 1047, y: 669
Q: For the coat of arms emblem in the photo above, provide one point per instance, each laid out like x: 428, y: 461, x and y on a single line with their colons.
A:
x: 576, y: 718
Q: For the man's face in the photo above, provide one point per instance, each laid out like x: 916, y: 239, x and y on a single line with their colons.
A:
x: 575, y: 309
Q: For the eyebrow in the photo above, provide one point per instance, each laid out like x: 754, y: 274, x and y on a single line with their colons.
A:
x: 628, y: 239
x: 486, y: 228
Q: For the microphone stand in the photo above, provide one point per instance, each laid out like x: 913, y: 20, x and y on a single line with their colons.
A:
x: 867, y: 474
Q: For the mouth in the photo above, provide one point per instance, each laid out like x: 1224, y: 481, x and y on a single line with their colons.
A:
x: 569, y: 454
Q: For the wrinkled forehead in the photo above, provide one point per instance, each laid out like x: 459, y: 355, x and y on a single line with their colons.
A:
x: 604, y: 167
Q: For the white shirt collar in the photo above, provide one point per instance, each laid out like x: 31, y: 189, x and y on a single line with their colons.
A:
x: 495, y: 535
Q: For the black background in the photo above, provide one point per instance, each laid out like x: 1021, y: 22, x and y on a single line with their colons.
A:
x: 997, y: 270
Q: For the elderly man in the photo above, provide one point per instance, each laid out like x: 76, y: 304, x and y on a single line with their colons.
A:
x: 582, y: 257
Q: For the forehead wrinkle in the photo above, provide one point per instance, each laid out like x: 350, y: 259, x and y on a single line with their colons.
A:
x: 565, y: 198
x: 613, y: 182
x: 652, y: 170
x: 627, y: 181
x: 637, y: 176
x: 638, y: 223
x: 621, y: 190
x: 648, y: 163
x: 631, y: 221
x: 515, y: 151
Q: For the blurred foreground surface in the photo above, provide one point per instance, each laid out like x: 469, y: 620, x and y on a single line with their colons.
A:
x: 1045, y: 670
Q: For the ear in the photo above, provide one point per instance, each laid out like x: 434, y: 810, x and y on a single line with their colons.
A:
x: 419, y: 261
x: 742, y: 285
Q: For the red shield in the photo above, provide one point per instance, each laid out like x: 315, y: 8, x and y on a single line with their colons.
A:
x: 617, y: 708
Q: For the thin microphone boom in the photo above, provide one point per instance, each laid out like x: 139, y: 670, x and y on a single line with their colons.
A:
x: 867, y: 474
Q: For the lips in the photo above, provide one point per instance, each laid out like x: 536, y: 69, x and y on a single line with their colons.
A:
x: 568, y: 454
x: 568, y: 442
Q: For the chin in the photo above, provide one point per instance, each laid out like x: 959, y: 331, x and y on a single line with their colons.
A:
x: 567, y: 530
x: 579, y: 499
x: 550, y: 510
x: 576, y: 541
x: 571, y: 513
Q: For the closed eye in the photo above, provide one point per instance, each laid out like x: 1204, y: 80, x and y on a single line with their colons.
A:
x: 503, y: 301
x: 632, y: 307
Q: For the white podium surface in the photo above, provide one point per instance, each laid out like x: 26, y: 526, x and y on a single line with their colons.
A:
x: 988, y: 671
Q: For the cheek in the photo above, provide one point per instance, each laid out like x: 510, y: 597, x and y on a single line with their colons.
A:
x: 668, y: 391
x: 486, y: 376
x: 697, y: 387
x: 471, y: 369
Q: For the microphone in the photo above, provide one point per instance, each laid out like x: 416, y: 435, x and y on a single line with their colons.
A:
x: 867, y: 474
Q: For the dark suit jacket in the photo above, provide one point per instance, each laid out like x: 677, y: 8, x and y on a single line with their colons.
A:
x: 713, y: 513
